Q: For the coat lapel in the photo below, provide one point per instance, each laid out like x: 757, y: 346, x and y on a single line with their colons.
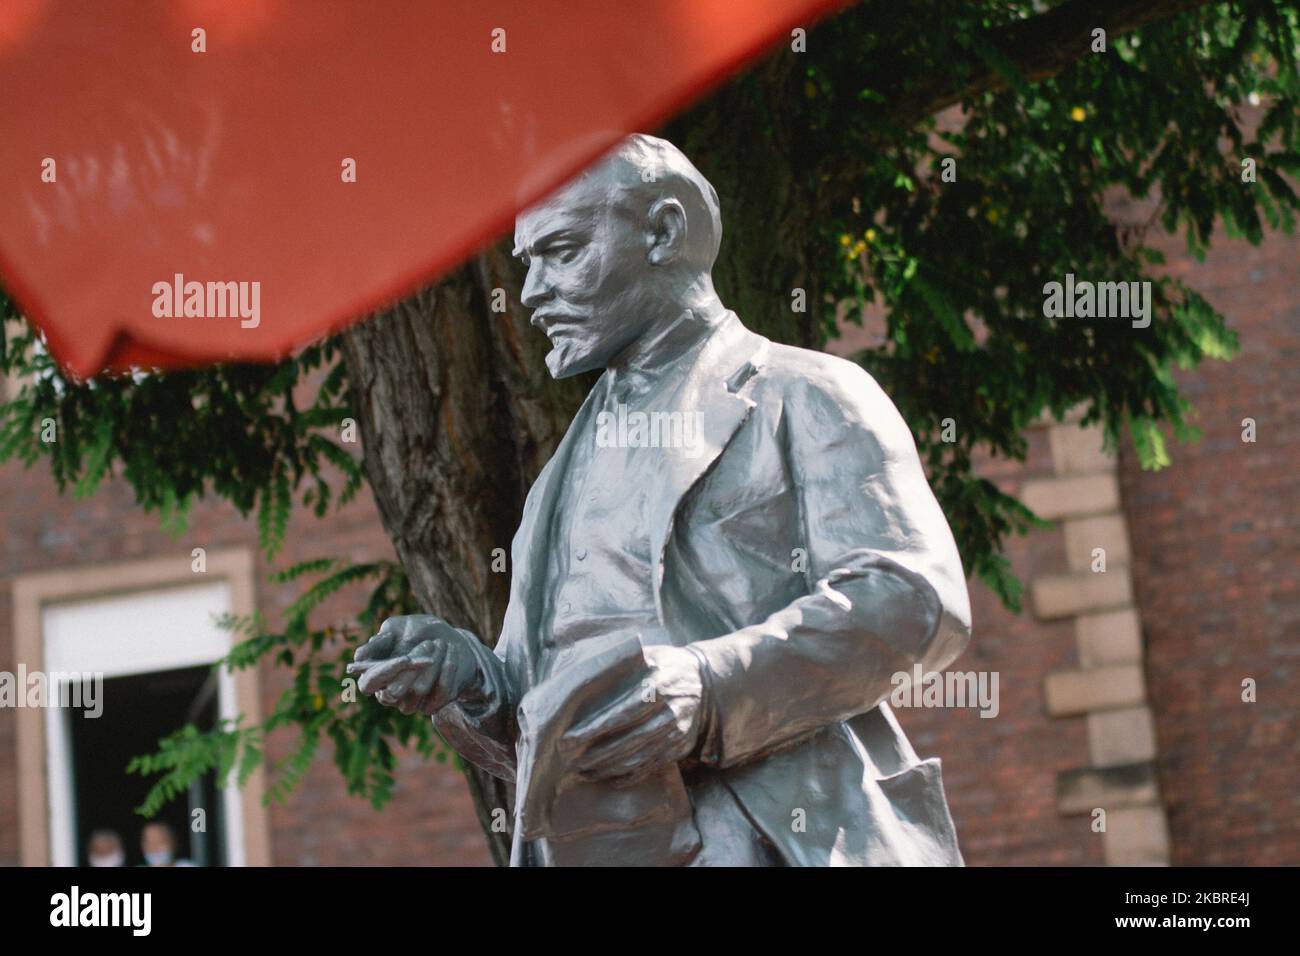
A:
x: 711, y: 387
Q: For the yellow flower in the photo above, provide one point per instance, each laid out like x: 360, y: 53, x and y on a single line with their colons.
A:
x: 870, y: 235
x: 1078, y: 114
x: 992, y: 215
x: 845, y: 239
x: 318, y: 702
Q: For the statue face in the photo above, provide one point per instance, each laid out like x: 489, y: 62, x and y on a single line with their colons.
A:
x: 590, y: 282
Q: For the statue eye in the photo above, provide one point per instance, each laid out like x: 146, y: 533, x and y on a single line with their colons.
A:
x: 565, y: 254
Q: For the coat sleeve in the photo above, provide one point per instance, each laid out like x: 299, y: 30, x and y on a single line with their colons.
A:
x: 885, y: 588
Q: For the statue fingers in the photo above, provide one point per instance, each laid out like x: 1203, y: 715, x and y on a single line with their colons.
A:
x: 408, y: 704
x: 426, y: 650
x: 443, y: 690
x: 379, y: 676
x: 421, y: 630
x: 625, y: 712
x: 380, y: 646
x: 419, y: 691
x: 639, y: 749
x: 418, y: 687
x: 399, y: 685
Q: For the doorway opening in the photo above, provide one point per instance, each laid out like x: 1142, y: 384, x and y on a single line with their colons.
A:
x: 139, y: 710
x: 154, y: 650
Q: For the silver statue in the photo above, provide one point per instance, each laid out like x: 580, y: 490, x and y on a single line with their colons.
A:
x: 731, y: 554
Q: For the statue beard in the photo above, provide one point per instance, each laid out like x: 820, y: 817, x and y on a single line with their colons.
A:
x: 564, y: 360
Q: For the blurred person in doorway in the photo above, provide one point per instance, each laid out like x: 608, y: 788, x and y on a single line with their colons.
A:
x: 158, y: 844
x: 104, y: 848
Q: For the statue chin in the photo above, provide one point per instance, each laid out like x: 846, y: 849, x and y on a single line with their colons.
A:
x: 563, y: 362
x: 556, y: 365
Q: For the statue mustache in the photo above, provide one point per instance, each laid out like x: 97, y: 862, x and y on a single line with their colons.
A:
x: 546, y: 319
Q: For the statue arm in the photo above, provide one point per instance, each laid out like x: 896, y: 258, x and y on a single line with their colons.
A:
x: 886, y: 589
x: 480, y: 722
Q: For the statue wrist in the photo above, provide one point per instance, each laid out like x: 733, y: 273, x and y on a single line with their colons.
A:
x: 473, y: 692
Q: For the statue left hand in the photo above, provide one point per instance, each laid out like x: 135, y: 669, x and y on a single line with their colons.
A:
x: 653, y: 725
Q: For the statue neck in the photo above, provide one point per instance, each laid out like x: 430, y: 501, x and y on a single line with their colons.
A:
x: 665, y: 343
x: 698, y: 313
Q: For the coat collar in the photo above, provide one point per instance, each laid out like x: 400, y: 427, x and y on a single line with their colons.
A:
x: 711, y: 386
x: 649, y: 364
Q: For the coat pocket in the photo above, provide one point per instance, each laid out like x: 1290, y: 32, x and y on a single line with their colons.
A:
x: 920, y: 809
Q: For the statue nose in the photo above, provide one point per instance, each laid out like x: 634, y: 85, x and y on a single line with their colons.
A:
x: 536, y: 290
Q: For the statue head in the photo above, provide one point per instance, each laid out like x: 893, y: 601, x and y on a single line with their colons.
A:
x: 618, y: 252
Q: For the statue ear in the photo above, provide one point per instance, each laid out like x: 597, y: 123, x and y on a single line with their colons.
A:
x: 667, y: 231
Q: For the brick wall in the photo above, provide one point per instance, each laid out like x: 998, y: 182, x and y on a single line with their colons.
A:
x: 1216, y: 541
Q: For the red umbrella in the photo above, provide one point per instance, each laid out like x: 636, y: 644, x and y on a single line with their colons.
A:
x: 197, y: 180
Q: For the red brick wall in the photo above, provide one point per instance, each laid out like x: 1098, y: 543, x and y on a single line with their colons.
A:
x: 1216, y: 556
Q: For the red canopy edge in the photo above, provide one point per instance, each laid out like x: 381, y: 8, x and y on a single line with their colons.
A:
x: 116, y: 348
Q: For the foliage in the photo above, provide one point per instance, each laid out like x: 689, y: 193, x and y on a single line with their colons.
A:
x: 1162, y: 119
x: 321, y: 701
x: 235, y: 431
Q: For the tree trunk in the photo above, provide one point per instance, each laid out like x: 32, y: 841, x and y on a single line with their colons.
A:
x: 457, y: 416
x: 747, y: 141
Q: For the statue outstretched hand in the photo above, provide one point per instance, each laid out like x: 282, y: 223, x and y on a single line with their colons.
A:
x: 417, y: 663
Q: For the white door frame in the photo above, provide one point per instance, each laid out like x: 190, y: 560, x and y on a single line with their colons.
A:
x: 45, y: 806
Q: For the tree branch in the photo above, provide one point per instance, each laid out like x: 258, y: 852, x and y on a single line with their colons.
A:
x: 1039, y: 47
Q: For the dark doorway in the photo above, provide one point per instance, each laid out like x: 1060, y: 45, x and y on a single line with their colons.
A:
x: 139, y: 710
